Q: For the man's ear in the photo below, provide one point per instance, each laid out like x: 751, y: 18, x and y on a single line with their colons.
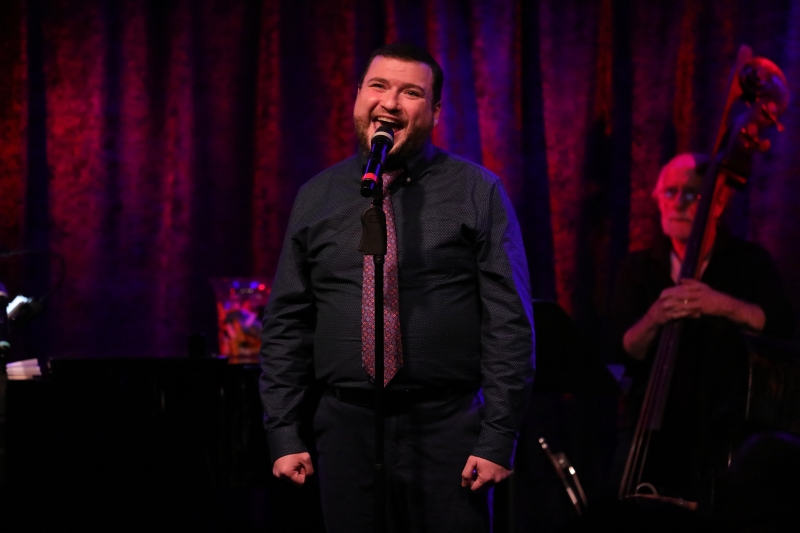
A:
x: 437, y: 109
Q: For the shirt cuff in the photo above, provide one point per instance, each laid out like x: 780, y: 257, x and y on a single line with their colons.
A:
x: 495, y: 447
x: 284, y: 441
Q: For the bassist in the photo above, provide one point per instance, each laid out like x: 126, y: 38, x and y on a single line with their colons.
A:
x: 739, y: 289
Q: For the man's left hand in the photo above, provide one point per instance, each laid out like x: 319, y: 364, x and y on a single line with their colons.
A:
x: 700, y: 299
x: 482, y: 473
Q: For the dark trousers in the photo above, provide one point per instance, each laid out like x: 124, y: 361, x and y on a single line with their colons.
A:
x: 427, y: 446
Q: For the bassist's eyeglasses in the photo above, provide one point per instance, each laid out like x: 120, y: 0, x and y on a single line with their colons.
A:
x: 688, y: 195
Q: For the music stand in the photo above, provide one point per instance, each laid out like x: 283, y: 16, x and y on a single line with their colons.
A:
x: 568, y: 374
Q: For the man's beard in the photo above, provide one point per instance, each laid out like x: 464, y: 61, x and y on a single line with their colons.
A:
x: 413, y: 143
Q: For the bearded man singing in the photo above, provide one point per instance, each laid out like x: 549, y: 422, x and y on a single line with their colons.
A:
x: 459, y: 341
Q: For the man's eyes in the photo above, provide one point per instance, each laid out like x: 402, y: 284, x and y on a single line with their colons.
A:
x: 689, y: 195
x: 413, y: 93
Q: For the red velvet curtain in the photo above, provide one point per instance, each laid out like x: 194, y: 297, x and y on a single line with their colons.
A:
x: 156, y: 144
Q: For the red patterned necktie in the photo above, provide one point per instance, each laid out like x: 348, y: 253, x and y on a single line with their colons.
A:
x: 392, y: 348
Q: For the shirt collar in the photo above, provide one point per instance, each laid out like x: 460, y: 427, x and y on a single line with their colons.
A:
x: 416, y: 166
x: 676, y: 265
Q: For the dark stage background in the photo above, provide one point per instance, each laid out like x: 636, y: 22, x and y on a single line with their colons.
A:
x: 156, y: 144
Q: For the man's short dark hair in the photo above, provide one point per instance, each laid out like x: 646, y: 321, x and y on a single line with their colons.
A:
x: 409, y: 52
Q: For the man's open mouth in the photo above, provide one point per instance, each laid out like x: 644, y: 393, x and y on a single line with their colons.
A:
x: 383, y: 121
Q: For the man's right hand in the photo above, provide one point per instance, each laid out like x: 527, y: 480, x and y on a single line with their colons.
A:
x: 294, y: 467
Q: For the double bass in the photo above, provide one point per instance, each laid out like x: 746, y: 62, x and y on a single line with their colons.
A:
x: 757, y: 96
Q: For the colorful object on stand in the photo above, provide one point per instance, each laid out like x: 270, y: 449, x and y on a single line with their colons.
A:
x: 240, y: 308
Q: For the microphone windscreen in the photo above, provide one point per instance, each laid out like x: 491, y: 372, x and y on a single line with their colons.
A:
x: 384, y: 134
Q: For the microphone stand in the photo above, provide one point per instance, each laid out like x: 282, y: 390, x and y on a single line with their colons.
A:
x: 373, y: 242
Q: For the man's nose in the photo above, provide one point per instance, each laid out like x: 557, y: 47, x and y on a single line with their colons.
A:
x: 683, y: 204
x: 390, y: 101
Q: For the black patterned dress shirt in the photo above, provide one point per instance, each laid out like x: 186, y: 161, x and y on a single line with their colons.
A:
x: 465, y: 304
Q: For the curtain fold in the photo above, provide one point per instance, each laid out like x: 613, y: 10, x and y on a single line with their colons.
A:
x: 157, y: 144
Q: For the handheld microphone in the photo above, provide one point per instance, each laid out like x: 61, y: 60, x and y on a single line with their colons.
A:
x: 4, y: 345
x: 382, y: 142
